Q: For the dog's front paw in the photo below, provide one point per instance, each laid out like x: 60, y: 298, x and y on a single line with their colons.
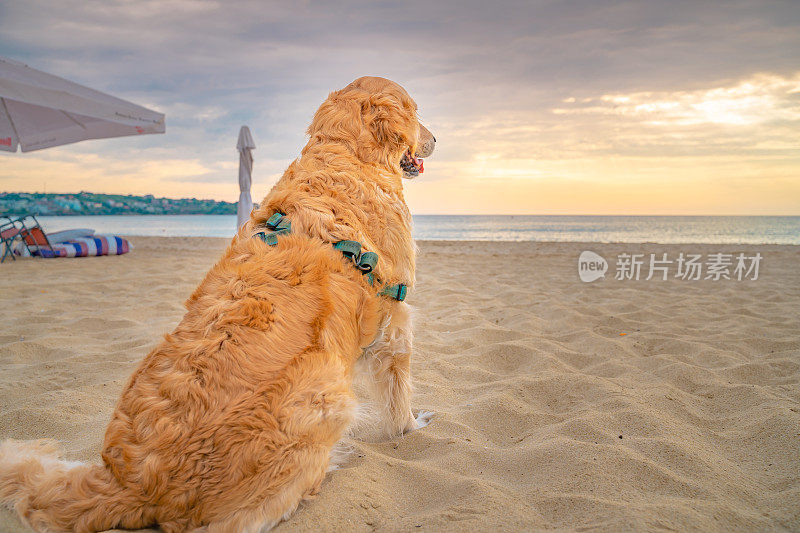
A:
x: 423, y: 419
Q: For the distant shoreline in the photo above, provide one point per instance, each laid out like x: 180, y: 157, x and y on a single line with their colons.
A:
x: 125, y: 214
x: 96, y: 204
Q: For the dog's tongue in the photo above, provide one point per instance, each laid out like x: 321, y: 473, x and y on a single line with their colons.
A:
x: 419, y: 162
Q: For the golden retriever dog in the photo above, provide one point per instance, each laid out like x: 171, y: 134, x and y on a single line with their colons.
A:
x: 230, y: 421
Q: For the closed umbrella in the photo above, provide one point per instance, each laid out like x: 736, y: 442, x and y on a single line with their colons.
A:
x: 245, y: 147
x: 39, y: 110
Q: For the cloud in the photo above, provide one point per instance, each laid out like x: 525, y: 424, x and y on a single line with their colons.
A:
x: 761, y: 99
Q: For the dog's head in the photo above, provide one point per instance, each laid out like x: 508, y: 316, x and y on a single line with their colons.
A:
x: 377, y: 119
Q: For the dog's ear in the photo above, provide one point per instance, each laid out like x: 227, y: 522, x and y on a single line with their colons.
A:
x: 387, y: 119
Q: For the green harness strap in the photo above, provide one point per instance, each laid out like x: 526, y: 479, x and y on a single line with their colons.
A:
x: 279, y: 224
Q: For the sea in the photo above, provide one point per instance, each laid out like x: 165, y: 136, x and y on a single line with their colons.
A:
x: 514, y: 228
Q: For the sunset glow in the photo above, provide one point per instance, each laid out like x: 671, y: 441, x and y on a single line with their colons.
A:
x: 641, y: 128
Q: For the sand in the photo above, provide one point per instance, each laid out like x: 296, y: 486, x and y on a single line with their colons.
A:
x: 548, y: 416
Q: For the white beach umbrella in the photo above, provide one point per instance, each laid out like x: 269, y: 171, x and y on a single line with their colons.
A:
x: 39, y: 110
x: 245, y: 147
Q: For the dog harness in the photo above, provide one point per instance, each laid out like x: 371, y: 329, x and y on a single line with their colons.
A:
x: 279, y: 224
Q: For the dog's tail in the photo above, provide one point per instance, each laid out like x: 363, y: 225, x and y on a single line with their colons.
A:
x: 51, y: 494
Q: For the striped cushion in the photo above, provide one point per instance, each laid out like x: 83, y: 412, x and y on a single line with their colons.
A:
x: 97, y: 245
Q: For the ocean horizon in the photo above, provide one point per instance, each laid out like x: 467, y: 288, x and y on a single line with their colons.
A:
x: 513, y: 228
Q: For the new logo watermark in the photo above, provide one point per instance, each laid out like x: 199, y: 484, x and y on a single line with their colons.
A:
x: 684, y: 266
x: 591, y: 266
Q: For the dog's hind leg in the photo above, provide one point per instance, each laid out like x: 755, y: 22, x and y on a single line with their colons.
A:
x: 285, y: 460
x: 389, y: 359
x: 308, y: 474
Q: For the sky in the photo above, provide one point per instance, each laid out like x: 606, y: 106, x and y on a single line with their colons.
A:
x: 539, y: 107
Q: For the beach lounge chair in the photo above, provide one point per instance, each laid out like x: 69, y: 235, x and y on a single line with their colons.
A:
x: 33, y: 234
x: 10, y: 232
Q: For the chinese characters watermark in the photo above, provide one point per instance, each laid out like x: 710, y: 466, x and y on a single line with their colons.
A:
x: 686, y: 266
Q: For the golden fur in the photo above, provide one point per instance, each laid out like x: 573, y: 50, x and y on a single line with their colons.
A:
x: 229, y: 422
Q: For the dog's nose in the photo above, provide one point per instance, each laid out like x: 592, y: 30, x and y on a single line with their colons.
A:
x: 434, y: 138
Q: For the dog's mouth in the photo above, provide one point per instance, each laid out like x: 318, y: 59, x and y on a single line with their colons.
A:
x: 412, y: 166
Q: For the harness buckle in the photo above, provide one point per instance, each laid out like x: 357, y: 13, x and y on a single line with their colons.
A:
x: 366, y: 262
x: 279, y: 225
x: 273, y: 221
x: 398, y: 292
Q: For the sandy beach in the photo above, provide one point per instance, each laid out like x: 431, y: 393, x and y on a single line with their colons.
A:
x: 613, y: 405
